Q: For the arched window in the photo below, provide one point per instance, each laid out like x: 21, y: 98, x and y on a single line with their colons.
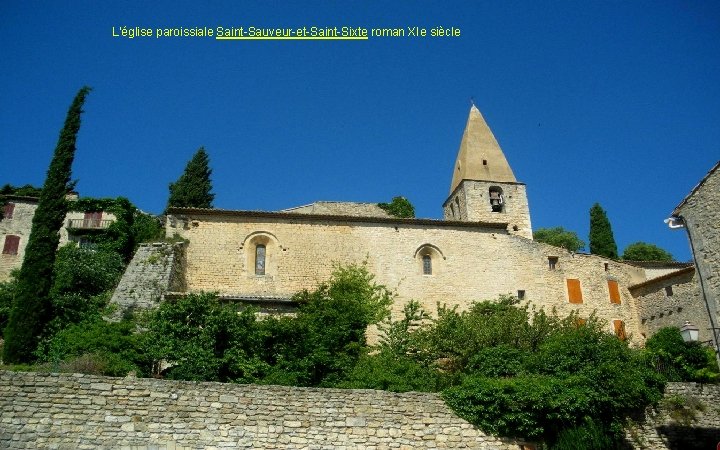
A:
x: 427, y: 265
x: 260, y: 259
x: 497, y: 203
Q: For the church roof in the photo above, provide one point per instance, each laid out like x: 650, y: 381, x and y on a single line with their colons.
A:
x: 340, y: 208
x: 324, y: 218
x: 480, y: 156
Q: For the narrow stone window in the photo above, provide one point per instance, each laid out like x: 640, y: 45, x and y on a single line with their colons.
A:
x: 11, y: 245
x: 521, y: 294
x: 427, y: 265
x: 552, y: 262
x: 9, y: 210
x: 607, y: 267
x: 260, y: 259
x: 668, y: 291
x: 452, y: 209
x: 484, y: 162
x: 457, y: 204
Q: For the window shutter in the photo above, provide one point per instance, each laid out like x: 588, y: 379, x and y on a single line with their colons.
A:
x: 619, y: 326
x: 9, y: 210
x: 614, y: 291
x: 11, y: 245
x: 574, y: 291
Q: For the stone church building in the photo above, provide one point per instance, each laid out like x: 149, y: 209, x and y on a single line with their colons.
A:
x: 483, y: 248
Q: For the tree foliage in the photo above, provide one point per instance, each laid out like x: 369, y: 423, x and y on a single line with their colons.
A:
x: 678, y: 360
x: 193, y: 188
x: 31, y: 309
x: 559, y: 237
x: 642, y: 251
x: 399, y: 207
x: 602, y: 241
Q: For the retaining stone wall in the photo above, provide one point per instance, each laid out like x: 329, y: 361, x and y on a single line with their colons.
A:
x: 155, y: 269
x: 75, y: 411
x: 688, y: 418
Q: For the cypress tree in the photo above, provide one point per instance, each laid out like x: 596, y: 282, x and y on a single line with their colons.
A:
x: 192, y: 189
x: 602, y: 241
x: 32, y: 309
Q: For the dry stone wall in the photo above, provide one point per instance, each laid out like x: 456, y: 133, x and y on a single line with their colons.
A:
x: 687, y: 418
x: 154, y: 270
x: 66, y: 411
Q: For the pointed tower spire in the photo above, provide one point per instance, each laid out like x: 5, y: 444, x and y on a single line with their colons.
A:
x: 480, y: 156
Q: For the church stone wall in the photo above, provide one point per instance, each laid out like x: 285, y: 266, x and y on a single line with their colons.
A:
x: 471, y: 202
x: 469, y: 263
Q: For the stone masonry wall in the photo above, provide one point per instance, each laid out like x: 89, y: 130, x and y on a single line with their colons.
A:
x: 701, y: 211
x: 657, y: 309
x: 66, y: 411
x: 468, y: 263
x: 687, y: 418
x: 154, y: 270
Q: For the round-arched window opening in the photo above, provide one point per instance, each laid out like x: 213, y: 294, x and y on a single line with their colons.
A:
x: 497, y: 202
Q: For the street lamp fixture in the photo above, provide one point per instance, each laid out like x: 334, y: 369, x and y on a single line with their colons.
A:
x: 689, y: 332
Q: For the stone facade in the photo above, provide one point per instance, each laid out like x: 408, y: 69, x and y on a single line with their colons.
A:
x: 470, y: 201
x: 687, y: 418
x: 700, y: 213
x: 65, y: 411
x: 470, y: 261
x: 669, y: 301
x: 19, y: 224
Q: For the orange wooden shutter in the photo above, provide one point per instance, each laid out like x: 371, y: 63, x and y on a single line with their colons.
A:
x: 614, y: 291
x: 11, y: 245
x: 574, y: 291
x: 619, y: 329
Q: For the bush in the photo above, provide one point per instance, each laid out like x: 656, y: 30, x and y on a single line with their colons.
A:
x: 677, y: 360
x: 388, y: 372
x: 107, y: 348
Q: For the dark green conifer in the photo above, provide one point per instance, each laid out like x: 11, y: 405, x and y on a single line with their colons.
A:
x: 602, y: 241
x: 192, y: 189
x: 31, y: 309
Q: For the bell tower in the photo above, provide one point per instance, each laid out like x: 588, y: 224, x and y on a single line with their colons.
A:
x: 484, y: 188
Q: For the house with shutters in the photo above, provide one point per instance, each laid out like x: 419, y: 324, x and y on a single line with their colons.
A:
x: 16, y: 223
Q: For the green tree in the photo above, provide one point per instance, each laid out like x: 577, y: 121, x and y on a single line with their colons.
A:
x: 602, y: 241
x: 399, y: 207
x: 192, y: 189
x: 559, y: 237
x: 32, y: 309
x: 642, y: 251
x: 678, y: 360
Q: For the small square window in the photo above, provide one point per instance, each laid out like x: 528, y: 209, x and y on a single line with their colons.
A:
x: 552, y: 262
x: 668, y: 291
x: 521, y: 294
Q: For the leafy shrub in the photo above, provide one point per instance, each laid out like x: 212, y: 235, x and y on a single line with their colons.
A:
x: 112, y: 349
x: 399, y: 207
x: 589, y: 436
x: 388, y: 372
x: 677, y: 360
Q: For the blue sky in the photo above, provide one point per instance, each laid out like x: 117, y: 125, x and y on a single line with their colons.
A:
x: 602, y: 101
